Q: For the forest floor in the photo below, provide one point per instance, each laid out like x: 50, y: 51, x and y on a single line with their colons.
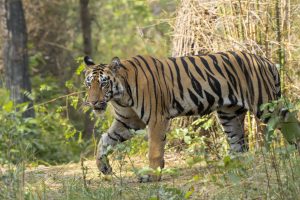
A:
x: 249, y: 176
x: 53, y: 181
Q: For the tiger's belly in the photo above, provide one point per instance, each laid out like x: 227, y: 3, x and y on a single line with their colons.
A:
x: 189, y: 107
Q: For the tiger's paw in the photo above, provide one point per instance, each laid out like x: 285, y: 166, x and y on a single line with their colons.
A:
x: 103, y: 165
x: 149, y: 178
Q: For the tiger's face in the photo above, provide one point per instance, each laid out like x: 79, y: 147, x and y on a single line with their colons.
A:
x: 102, y: 84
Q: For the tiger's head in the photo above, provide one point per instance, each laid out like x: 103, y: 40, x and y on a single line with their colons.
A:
x: 102, y: 83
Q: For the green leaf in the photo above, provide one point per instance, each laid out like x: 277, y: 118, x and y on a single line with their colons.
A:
x: 226, y: 160
x: 196, y: 178
x: 23, y: 106
x: 290, y: 128
x: 145, y: 171
x: 187, y: 139
x: 80, y: 68
x: 273, y: 123
x: 45, y: 87
x: 189, y: 193
x: 8, y: 106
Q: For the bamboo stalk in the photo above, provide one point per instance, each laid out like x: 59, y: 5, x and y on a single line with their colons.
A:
x: 280, y: 53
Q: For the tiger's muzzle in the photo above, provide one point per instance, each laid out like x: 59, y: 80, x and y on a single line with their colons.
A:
x: 99, y: 106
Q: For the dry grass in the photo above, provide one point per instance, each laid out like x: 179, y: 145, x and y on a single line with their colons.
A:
x: 250, y: 176
x: 251, y: 25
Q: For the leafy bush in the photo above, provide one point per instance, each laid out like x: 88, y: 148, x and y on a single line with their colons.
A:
x: 47, y: 138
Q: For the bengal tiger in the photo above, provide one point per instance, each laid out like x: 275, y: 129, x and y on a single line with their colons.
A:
x: 147, y: 91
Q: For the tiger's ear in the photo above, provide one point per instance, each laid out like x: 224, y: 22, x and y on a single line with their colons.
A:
x: 115, y: 64
x: 88, y: 61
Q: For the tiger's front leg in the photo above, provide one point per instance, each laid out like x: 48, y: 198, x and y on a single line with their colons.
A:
x: 117, y: 133
x: 157, y: 141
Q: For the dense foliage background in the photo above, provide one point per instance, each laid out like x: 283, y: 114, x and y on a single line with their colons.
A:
x: 55, y: 43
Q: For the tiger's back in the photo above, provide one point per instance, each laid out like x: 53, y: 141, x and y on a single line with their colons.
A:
x: 198, y: 85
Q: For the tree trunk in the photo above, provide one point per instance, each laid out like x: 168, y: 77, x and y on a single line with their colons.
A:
x: 87, y: 49
x: 15, y: 55
x: 86, y: 27
x: 2, y: 33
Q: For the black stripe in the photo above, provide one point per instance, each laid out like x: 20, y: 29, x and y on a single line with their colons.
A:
x: 193, y: 97
x: 128, y: 89
x: 232, y: 98
x: 240, y: 111
x: 119, y: 104
x: 125, y: 125
x: 205, y: 63
x: 178, y: 76
x: 166, y: 85
x: 250, y: 66
x: 241, y: 66
x: 196, y: 101
x: 123, y: 66
x: 226, y: 123
x: 211, y: 100
x: 155, y: 64
x: 216, y: 87
x: 112, y: 138
x: 248, y: 78
x: 120, y: 115
x: 136, y: 82
x: 238, y: 60
x: 142, y: 109
x: 160, y: 89
x: 264, y: 75
x: 216, y: 65
x: 259, y: 91
x: 189, y: 113
x: 154, y: 86
x: 226, y: 117
x: 172, y: 77
x: 231, y: 78
x: 121, y: 138
x: 185, y: 66
x: 192, y: 59
x: 141, y: 67
x: 228, y: 62
x: 177, y: 105
x: 196, y: 85
x: 231, y: 135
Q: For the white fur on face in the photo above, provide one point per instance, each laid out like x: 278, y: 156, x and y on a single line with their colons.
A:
x: 99, y: 113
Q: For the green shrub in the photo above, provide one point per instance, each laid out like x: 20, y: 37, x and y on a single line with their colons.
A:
x: 47, y: 138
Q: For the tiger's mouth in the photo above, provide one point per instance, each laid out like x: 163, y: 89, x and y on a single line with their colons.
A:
x: 100, y: 108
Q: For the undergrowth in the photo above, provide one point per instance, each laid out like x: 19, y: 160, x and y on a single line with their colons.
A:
x: 206, y: 170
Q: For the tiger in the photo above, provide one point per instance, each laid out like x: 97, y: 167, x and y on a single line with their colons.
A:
x: 145, y: 91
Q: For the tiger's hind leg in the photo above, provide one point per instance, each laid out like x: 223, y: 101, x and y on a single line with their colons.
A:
x: 233, y: 125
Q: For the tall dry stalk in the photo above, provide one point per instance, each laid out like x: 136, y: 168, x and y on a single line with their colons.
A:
x: 262, y: 27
